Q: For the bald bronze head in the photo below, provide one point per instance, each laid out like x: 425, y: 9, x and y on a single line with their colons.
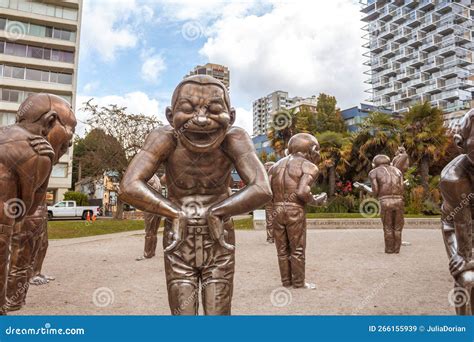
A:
x: 50, y: 116
x: 380, y: 159
x: 305, y: 144
x: 464, y: 137
x: 200, y: 113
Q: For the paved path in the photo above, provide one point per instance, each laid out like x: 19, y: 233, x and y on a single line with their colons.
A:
x: 352, y: 274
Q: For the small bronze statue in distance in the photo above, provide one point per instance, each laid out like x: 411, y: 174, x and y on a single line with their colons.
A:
x: 291, y: 179
x: 269, y: 211
x: 401, y: 160
x: 198, y: 150
x: 388, y: 186
x: 28, y: 149
x: 457, y: 190
x: 152, y: 224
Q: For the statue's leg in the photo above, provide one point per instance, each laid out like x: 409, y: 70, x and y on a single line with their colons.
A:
x: 5, y: 241
x: 399, y: 221
x: 41, y: 246
x: 386, y: 214
x: 282, y: 245
x: 182, y: 277
x: 269, y: 222
x: 297, y: 236
x: 218, y: 266
x: 17, y: 284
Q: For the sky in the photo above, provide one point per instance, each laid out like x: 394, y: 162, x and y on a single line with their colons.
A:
x: 134, y: 52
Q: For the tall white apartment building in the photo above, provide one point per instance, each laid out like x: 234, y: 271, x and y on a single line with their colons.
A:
x: 265, y: 107
x: 39, y: 45
x: 420, y: 50
x: 218, y: 71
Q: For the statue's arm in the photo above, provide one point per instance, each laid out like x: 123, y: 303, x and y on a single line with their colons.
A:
x: 456, y: 223
x: 374, y: 188
x: 134, y: 188
x: 33, y: 181
x: 310, y: 173
x: 239, y: 148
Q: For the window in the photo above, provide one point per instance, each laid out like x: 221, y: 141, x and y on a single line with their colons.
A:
x: 65, y: 78
x: 59, y: 170
x: 70, y: 204
x: 35, y: 52
x: 18, y: 73
x: 33, y: 75
x: 60, y: 204
x: 3, y: 23
x: 37, y: 30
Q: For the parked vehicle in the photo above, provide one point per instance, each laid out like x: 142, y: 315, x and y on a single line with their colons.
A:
x: 69, y: 209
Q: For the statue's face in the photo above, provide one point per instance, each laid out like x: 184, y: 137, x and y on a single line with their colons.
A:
x: 61, y: 134
x: 200, y: 116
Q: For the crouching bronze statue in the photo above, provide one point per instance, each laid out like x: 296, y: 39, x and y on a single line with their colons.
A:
x: 457, y: 190
x: 388, y: 186
x: 291, y: 179
x: 198, y: 149
x: 28, y: 149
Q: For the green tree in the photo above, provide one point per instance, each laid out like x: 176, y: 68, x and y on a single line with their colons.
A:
x: 333, y: 145
x: 425, y: 138
x: 379, y: 133
x: 328, y: 116
x: 80, y: 198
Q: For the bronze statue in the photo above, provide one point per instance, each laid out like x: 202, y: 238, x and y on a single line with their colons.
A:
x: 401, y: 160
x: 457, y: 190
x: 269, y: 211
x: 291, y: 179
x: 199, y: 150
x: 28, y: 149
x: 152, y: 224
x: 388, y: 186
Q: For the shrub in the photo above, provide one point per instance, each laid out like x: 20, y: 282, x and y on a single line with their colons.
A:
x: 79, y: 197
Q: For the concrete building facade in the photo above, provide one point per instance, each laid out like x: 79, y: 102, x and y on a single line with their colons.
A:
x: 420, y: 50
x: 39, y: 46
x: 218, y: 71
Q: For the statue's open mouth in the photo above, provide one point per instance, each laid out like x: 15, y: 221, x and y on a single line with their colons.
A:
x: 202, y: 138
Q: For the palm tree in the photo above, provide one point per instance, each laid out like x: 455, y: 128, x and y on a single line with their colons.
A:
x: 334, y: 147
x: 425, y: 138
x: 379, y: 133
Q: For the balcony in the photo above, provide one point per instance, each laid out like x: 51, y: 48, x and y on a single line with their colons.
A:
x: 387, y: 12
x: 462, y: 95
x: 414, y: 18
x: 430, y: 43
x: 426, y: 5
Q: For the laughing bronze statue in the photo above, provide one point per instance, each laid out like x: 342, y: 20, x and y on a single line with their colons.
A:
x: 269, y: 211
x: 388, y: 187
x: 152, y: 224
x: 457, y: 190
x: 28, y: 149
x: 199, y: 149
x: 291, y: 179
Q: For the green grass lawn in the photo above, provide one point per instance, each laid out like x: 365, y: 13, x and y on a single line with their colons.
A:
x: 75, y: 229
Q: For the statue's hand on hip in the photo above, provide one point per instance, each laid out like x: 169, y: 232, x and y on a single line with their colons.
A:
x: 216, y: 229
x: 177, y: 231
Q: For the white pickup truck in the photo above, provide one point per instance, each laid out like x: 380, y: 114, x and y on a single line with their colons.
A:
x: 69, y: 209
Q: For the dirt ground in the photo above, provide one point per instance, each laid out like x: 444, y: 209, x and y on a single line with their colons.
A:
x: 99, y: 276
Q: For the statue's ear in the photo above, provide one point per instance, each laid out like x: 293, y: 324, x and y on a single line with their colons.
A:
x: 459, y: 141
x: 48, y: 121
x: 232, y: 116
x: 169, y: 115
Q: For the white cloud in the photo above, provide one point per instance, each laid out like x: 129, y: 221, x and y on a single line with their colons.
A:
x: 152, y: 68
x: 304, y: 47
x: 136, y: 102
x: 244, y: 119
x: 109, y: 26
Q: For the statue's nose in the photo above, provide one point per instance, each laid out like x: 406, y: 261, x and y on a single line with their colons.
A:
x: 201, y: 119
